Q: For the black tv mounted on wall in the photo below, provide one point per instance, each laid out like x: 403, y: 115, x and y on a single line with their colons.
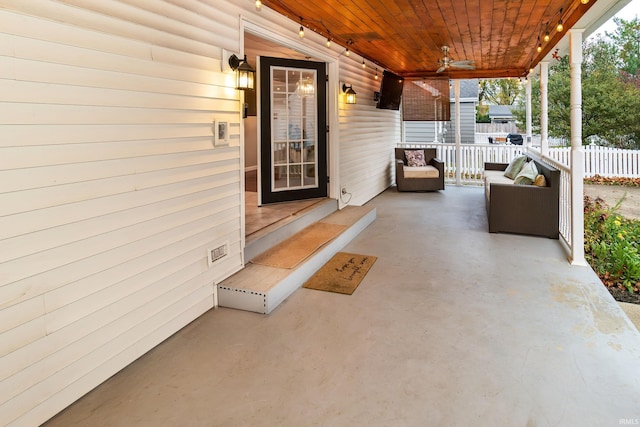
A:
x: 390, y: 91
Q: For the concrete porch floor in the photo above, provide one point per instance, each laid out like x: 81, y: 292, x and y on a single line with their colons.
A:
x: 452, y: 326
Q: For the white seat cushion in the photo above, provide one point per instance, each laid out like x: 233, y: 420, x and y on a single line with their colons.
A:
x: 420, y: 172
x: 495, y: 177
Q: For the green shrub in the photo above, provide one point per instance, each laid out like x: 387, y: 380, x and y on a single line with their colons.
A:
x: 611, y: 244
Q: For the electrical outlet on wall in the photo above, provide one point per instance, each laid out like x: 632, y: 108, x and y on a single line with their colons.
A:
x: 343, y: 189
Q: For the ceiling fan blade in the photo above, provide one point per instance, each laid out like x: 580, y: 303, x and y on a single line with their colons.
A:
x: 464, y: 66
x: 462, y: 62
x: 441, y: 69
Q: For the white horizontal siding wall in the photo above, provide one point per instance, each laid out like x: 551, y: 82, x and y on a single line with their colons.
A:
x: 420, y: 131
x: 367, y: 136
x: 111, y: 191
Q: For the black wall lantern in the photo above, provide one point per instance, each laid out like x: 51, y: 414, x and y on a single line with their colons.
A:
x: 350, y: 93
x: 245, y: 74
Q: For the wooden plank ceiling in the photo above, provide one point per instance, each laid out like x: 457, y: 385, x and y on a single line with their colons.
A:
x: 406, y: 36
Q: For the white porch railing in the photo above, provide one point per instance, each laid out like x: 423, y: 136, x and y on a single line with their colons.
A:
x: 564, y: 227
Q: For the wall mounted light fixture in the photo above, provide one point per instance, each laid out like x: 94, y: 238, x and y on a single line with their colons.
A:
x: 350, y: 93
x: 245, y: 74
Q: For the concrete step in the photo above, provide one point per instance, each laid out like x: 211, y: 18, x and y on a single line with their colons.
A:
x: 261, y: 288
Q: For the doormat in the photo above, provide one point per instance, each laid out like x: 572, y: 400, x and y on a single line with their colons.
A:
x: 297, y: 248
x: 342, y: 273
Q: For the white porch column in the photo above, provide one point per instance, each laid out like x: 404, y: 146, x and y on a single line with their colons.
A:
x: 544, y: 108
x: 436, y: 124
x: 456, y: 91
x: 528, y: 128
x: 577, y: 152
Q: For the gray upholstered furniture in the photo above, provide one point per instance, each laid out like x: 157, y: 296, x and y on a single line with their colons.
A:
x: 425, y: 179
x: 522, y: 209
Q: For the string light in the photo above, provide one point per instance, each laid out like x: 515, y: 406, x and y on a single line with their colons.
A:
x: 547, y: 37
x: 560, y: 27
x: 258, y: 5
x: 539, y: 48
x: 363, y: 64
x: 584, y: 1
x: 301, y: 32
x: 347, y: 53
x: 376, y: 76
x: 328, y: 42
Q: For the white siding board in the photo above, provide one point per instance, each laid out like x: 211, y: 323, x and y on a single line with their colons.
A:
x: 22, y: 335
x: 18, y: 113
x: 107, y: 249
x: 123, y: 28
x: 46, y: 176
x: 53, y: 42
x: 95, y: 65
x: 57, y: 239
x: 19, y: 157
x: 21, y: 313
x: 27, y: 135
x: 70, y: 77
x: 46, y: 93
x: 41, y: 219
x: 23, y: 201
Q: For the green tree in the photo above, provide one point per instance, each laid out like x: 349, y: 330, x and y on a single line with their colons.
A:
x: 500, y: 91
x: 626, y: 38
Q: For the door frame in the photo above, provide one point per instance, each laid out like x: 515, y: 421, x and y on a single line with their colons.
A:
x: 320, y: 53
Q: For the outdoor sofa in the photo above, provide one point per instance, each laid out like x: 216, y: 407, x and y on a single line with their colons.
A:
x: 522, y: 209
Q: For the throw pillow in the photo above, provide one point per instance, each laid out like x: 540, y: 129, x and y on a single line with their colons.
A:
x: 540, y: 181
x: 515, y: 166
x: 415, y: 157
x: 527, y: 175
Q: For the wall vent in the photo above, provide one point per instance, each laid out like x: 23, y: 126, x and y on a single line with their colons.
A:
x: 216, y: 253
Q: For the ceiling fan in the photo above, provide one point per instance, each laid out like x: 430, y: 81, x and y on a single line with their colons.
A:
x: 446, y: 62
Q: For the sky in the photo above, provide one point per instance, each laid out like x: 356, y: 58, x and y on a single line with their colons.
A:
x: 628, y: 12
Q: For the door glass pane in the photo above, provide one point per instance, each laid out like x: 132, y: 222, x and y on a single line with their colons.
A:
x: 295, y: 176
x: 293, y: 127
x: 280, y: 177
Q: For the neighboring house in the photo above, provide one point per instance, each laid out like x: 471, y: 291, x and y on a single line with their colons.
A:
x: 502, y: 120
x: 114, y: 187
x: 445, y: 131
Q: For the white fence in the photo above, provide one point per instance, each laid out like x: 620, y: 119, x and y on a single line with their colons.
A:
x: 604, y: 161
